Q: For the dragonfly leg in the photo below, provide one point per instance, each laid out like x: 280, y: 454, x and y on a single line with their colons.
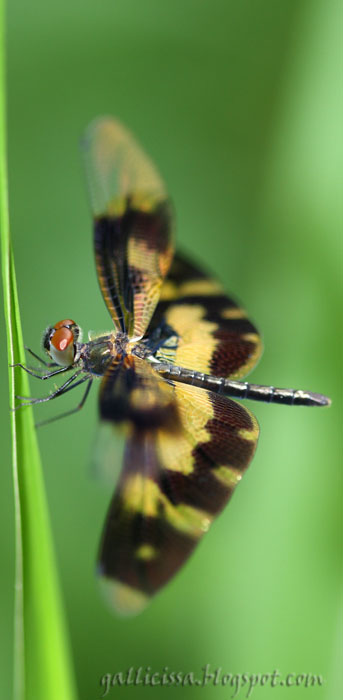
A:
x: 42, y: 376
x: 40, y: 359
x: 73, y: 410
x: 61, y: 390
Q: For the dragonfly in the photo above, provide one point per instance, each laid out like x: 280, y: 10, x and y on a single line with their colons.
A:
x: 170, y: 369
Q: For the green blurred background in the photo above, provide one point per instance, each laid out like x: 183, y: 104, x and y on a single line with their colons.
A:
x: 239, y: 104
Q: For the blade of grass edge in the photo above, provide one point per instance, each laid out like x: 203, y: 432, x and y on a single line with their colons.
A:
x: 42, y: 665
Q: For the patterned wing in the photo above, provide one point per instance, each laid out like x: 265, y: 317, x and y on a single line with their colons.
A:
x: 132, y: 224
x: 177, y: 476
x: 197, y: 326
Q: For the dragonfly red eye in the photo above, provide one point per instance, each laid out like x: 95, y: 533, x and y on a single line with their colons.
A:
x: 60, y: 342
x: 67, y: 323
x: 62, y: 338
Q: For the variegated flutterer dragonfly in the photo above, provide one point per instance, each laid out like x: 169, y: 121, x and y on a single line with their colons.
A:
x: 177, y: 352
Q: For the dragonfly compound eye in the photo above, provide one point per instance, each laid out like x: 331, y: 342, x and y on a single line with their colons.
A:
x: 60, y: 342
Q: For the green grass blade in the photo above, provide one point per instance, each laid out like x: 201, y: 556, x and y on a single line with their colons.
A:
x: 42, y: 666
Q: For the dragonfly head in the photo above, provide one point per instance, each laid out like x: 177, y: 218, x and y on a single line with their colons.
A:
x: 61, y: 342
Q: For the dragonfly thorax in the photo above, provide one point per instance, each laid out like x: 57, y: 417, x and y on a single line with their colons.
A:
x: 96, y: 356
x: 124, y: 345
x: 121, y: 343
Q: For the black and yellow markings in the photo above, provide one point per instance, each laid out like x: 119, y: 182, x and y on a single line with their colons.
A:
x: 132, y: 394
x: 172, y: 291
x: 186, y: 448
x: 133, y: 251
x: 196, y: 341
x: 217, y: 443
x: 146, y: 552
x: 172, y: 487
x: 214, y: 334
x: 142, y: 551
x: 233, y: 312
x: 143, y: 495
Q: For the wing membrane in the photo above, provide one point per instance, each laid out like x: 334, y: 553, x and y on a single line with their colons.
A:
x: 173, y: 484
x: 132, y: 224
x: 204, y: 329
x: 134, y: 396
